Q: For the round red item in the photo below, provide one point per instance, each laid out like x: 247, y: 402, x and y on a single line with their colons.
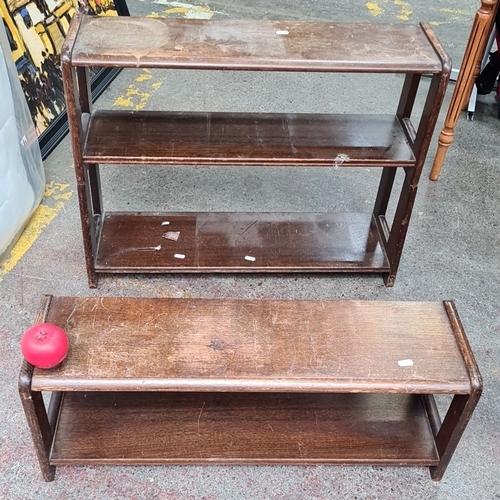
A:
x: 44, y: 345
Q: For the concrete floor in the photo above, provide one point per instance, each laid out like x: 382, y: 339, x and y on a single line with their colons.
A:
x: 452, y: 252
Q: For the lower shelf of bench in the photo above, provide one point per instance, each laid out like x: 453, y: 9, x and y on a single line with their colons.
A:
x: 239, y: 428
x: 240, y: 242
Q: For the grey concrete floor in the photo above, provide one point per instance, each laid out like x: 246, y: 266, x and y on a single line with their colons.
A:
x: 452, y: 252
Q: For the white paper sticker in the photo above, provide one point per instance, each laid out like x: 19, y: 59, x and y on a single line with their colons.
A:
x: 405, y: 362
x: 250, y: 258
x: 179, y: 256
x: 172, y: 235
x: 339, y: 159
x: 282, y: 32
x: 165, y: 223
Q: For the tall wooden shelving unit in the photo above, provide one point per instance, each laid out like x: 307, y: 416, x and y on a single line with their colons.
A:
x: 114, y: 242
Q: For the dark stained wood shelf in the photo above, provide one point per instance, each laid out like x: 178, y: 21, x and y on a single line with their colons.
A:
x: 254, y: 45
x: 184, y: 381
x: 115, y: 243
x: 135, y: 344
x: 246, y: 139
x: 248, y: 242
x: 192, y: 428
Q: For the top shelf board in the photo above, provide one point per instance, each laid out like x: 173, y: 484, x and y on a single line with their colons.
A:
x: 253, y: 45
x: 261, y: 345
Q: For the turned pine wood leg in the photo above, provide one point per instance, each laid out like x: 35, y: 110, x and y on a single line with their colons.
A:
x: 469, y: 71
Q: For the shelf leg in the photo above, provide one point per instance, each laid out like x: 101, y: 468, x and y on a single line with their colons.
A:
x: 394, y: 247
x: 408, y: 95
x: 380, y: 209
x: 462, y: 405
x: 76, y: 121
x: 405, y: 107
x: 85, y: 103
x: 92, y: 193
x: 95, y: 188
x: 88, y: 230
x: 38, y: 422
x: 91, y: 175
x: 384, y: 191
x: 452, y: 428
x: 420, y: 145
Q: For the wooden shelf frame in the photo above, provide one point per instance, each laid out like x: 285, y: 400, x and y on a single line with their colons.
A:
x: 386, y: 141
x: 222, y: 381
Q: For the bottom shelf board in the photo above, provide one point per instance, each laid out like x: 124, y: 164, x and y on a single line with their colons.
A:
x: 239, y: 242
x: 242, y: 428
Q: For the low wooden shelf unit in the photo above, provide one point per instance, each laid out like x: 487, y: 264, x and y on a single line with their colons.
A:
x: 199, y: 381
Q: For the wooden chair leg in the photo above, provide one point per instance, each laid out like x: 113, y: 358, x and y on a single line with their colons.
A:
x: 469, y: 71
x: 444, y: 141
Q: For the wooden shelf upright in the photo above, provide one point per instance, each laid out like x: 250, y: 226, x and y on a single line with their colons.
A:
x: 272, y: 242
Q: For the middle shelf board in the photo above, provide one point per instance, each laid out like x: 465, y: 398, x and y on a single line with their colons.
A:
x: 239, y: 242
x: 187, y: 138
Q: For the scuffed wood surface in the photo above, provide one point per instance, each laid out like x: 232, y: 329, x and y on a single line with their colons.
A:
x: 214, y: 241
x: 246, y: 139
x: 186, y: 428
x: 245, y: 44
x: 244, y: 345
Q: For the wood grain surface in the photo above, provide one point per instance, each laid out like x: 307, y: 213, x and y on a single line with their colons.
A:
x: 239, y: 242
x: 246, y: 139
x: 249, y: 44
x: 155, y: 428
x: 133, y: 344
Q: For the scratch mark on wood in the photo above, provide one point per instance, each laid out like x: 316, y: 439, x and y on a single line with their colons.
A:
x: 240, y: 235
x: 199, y: 416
